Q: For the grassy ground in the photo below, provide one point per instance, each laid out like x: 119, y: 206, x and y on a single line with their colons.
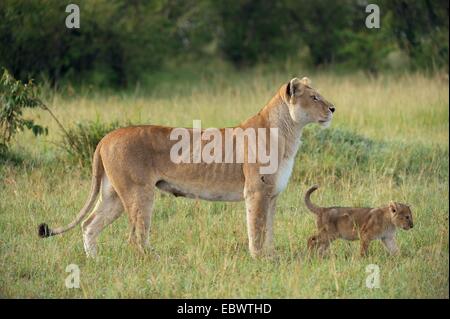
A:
x: 389, y: 140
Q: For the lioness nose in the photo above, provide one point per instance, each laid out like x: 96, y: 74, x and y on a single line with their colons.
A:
x: 332, y: 109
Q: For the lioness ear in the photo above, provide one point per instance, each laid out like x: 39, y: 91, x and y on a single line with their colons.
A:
x: 293, y: 87
x: 392, y: 207
x: 305, y: 81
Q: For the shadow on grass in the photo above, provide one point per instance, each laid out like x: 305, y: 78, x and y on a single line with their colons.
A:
x: 11, y: 158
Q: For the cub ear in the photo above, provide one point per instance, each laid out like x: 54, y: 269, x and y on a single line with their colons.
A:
x: 392, y: 207
x: 305, y: 81
x: 294, y: 87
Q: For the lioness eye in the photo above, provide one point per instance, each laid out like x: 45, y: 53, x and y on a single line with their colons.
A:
x: 315, y: 98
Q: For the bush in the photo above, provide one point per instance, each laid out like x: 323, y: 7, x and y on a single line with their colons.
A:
x: 14, y: 98
x: 81, y: 140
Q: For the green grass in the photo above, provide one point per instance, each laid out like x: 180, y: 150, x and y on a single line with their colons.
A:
x: 389, y: 140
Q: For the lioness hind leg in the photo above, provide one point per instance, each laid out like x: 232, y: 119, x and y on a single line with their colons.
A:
x: 132, y: 233
x: 139, y: 207
x: 108, y: 210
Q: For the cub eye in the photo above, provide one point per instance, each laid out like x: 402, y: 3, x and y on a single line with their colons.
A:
x: 315, y: 98
x: 407, y: 217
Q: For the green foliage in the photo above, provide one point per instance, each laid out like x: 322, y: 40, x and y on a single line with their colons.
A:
x: 80, y: 141
x: 250, y: 30
x: 364, y: 51
x: 320, y: 24
x: 115, y: 42
x: 421, y: 30
x: 14, y: 98
x: 122, y: 42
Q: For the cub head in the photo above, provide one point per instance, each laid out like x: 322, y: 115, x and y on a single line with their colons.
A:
x: 401, y: 215
x: 306, y: 105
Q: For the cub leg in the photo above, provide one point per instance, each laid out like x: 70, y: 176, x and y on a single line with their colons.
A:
x: 369, y: 232
x: 319, y: 243
x: 364, y: 245
x: 391, y: 245
x: 313, y: 243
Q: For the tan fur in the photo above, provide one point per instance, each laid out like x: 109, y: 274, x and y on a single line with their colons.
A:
x: 366, y: 224
x: 130, y: 162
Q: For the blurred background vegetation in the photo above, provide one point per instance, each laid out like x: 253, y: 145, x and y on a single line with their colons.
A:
x: 124, y: 42
x: 168, y: 62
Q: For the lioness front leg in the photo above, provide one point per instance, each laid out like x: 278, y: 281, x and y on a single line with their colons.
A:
x: 269, y: 246
x: 257, y: 205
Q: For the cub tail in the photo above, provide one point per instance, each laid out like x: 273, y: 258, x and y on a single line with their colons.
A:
x: 315, y: 209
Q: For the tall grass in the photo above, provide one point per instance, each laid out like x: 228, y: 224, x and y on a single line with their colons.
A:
x: 81, y: 140
x: 389, y: 140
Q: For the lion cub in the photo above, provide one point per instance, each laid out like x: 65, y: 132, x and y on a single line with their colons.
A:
x: 366, y: 224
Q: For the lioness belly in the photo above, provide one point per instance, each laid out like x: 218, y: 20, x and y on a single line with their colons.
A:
x: 214, y: 182
x: 185, y: 190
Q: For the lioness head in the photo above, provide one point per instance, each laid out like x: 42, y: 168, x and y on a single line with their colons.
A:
x: 306, y: 105
x: 401, y: 215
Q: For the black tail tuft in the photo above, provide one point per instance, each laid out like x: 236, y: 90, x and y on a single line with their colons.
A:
x: 44, y: 231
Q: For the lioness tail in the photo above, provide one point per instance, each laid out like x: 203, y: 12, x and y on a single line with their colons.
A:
x: 97, y: 174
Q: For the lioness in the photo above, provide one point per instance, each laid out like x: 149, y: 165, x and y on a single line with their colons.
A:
x: 363, y: 223
x: 129, y: 162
